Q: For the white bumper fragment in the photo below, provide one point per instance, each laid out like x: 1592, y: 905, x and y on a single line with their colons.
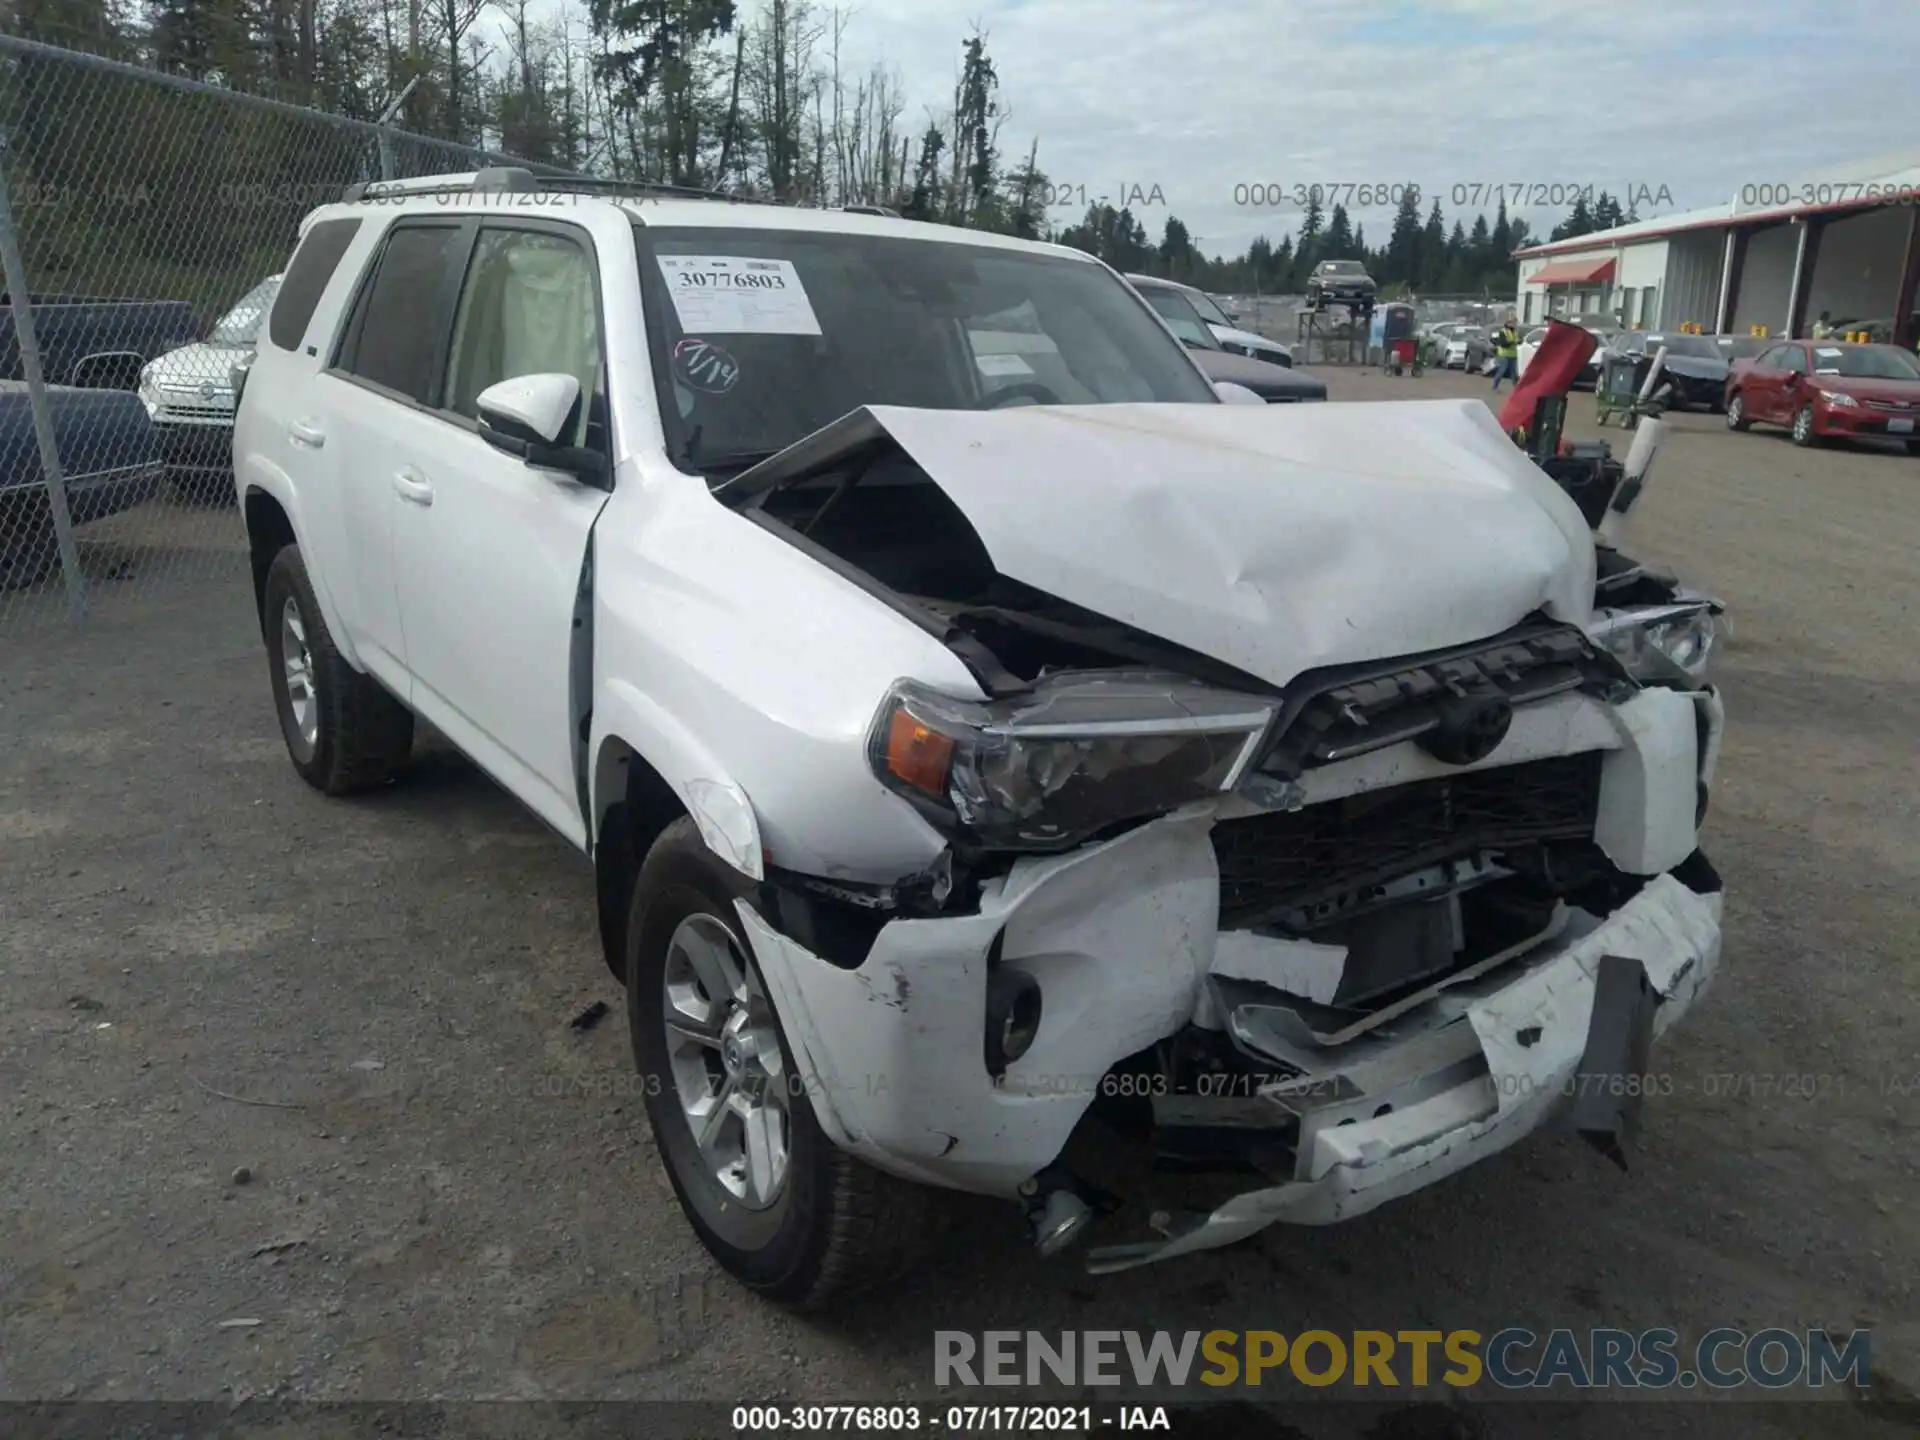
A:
x: 892, y: 1054
x: 1532, y: 1031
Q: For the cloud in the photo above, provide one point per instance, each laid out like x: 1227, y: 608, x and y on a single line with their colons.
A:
x: 1651, y: 95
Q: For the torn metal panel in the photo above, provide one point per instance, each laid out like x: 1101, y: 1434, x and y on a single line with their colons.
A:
x: 1649, y: 787
x: 1299, y: 967
x: 1532, y: 1033
x: 1119, y: 936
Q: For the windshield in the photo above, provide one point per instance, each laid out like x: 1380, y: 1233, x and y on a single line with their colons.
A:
x: 1341, y: 267
x: 1176, y: 308
x: 1700, y: 347
x: 1865, y: 362
x: 241, y: 324
x: 760, y: 337
x: 1209, y: 312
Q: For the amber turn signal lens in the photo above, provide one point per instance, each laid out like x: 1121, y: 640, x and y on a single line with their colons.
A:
x: 918, y: 755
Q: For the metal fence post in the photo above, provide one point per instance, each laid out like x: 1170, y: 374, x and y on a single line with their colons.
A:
x: 15, y: 269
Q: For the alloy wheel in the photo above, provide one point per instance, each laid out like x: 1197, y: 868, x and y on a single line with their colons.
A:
x: 724, y: 1052
x: 296, y: 663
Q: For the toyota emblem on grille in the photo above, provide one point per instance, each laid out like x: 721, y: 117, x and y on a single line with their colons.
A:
x: 1471, y: 728
x: 206, y: 389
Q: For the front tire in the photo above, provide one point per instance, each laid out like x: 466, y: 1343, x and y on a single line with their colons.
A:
x: 343, y: 732
x: 770, y: 1196
x: 1803, y: 431
x: 1737, y: 412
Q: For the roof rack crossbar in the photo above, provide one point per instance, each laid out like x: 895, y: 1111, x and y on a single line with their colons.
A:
x: 516, y: 179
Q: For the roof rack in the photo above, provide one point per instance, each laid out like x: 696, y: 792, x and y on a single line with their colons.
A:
x: 517, y: 179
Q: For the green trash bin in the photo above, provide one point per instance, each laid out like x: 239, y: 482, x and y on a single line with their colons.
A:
x: 1618, y: 390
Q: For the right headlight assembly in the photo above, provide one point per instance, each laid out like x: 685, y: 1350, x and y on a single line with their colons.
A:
x: 1662, y: 644
x: 1074, y: 755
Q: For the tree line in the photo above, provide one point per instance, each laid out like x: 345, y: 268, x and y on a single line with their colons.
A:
x: 712, y: 94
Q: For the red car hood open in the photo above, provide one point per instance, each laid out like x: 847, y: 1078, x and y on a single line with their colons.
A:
x: 1562, y: 355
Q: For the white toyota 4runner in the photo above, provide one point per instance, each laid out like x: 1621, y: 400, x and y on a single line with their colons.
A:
x: 978, y: 742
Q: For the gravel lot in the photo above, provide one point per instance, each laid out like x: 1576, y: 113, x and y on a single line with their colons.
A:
x: 206, y: 966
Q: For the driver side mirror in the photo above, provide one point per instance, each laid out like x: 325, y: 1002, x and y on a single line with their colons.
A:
x: 527, y: 415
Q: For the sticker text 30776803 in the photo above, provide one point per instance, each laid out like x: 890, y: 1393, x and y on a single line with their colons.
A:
x: 738, y: 295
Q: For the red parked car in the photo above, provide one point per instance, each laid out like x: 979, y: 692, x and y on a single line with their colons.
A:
x: 1825, y: 390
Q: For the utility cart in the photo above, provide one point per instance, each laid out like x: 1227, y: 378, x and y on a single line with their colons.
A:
x: 1623, y: 389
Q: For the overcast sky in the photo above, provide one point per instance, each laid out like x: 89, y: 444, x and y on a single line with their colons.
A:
x: 1197, y: 97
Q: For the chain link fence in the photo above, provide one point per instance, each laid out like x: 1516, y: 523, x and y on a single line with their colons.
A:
x: 144, y: 219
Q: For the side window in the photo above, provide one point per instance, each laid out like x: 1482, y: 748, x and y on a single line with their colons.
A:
x: 1774, y: 357
x: 1793, y: 358
x: 527, y: 307
x: 307, y: 275
x: 391, y: 339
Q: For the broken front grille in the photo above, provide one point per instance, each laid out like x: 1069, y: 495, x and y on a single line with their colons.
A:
x: 1291, y: 860
x: 1334, y: 715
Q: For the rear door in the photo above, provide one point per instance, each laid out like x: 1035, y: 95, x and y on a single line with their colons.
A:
x: 369, y: 415
x: 1760, y: 385
x: 489, y: 550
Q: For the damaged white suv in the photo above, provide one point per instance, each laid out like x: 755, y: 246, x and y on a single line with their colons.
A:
x: 977, y: 742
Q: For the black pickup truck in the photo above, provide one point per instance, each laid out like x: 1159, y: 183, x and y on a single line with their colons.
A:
x: 109, y: 460
x: 93, y: 343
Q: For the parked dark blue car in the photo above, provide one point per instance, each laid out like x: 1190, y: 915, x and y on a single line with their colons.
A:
x: 109, y: 456
x: 100, y: 344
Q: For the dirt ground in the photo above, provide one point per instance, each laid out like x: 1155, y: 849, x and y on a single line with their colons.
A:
x: 205, y: 966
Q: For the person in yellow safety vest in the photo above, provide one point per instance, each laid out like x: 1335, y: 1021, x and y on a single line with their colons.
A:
x: 1506, y: 353
x: 1823, y: 327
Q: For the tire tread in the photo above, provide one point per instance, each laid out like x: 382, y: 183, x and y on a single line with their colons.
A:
x: 365, y: 734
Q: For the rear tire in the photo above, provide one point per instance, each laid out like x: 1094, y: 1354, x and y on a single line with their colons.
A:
x: 1737, y: 412
x: 833, y: 1225
x: 1913, y: 447
x: 343, y: 732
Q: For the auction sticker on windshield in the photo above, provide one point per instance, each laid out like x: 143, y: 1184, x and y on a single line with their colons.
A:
x: 1002, y: 365
x: 738, y: 295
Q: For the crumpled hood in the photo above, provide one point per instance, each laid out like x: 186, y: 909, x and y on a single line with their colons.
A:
x: 1275, y: 540
x: 1697, y: 367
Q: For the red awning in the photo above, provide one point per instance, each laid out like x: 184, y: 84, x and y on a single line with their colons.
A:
x: 1574, y: 272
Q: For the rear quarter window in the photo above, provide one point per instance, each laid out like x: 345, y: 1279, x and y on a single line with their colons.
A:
x: 307, y: 275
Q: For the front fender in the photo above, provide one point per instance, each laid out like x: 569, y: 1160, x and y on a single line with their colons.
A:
x: 624, y: 714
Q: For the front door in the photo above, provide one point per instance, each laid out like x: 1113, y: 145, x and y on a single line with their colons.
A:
x: 491, y: 550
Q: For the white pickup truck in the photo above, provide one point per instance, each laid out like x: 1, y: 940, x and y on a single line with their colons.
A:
x: 970, y: 752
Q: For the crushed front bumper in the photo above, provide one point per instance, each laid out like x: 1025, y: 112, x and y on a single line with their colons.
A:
x: 1123, y: 940
x: 1530, y: 1032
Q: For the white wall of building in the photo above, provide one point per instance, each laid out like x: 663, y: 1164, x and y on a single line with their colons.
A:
x: 1638, y: 280
x: 1856, y: 276
x: 1766, y: 280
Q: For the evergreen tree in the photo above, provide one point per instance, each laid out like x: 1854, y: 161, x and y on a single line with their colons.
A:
x: 1339, y: 242
x: 1401, y: 262
x: 1308, y: 250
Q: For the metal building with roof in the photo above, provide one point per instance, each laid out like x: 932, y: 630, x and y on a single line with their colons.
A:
x: 1846, y: 243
